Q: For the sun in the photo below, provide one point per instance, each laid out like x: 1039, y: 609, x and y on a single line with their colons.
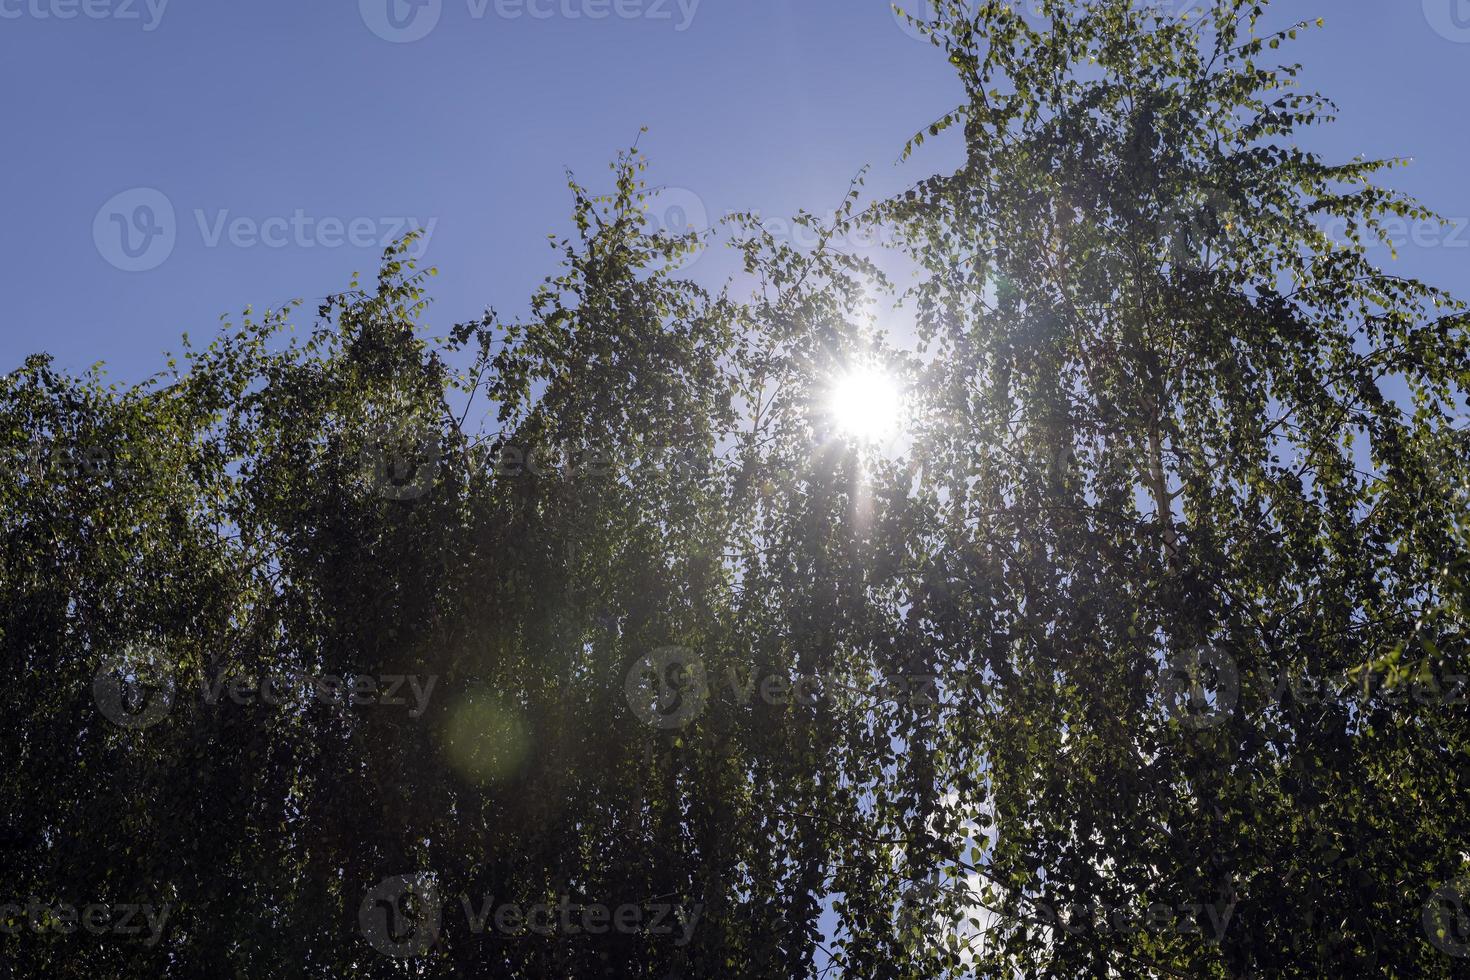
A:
x: 864, y: 403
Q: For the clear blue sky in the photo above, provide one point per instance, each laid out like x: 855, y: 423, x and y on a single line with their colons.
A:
x: 267, y: 108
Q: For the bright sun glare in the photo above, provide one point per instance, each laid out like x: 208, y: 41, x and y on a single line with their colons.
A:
x: 865, y: 405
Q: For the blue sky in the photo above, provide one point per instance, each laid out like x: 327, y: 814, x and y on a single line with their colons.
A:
x: 325, y: 129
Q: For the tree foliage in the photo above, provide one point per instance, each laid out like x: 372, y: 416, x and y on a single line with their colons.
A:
x: 1040, y: 692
